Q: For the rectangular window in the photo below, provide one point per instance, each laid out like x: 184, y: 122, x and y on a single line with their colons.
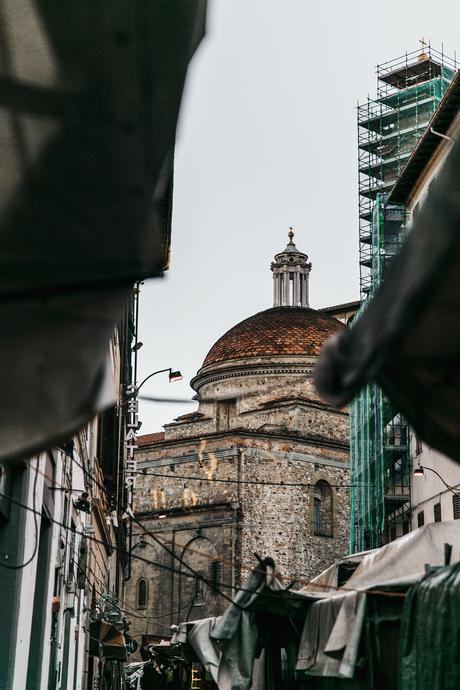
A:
x: 437, y: 512
x: 456, y: 506
x: 420, y: 519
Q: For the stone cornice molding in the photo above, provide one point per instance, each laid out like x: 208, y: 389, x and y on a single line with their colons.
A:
x: 213, y: 374
x: 241, y: 432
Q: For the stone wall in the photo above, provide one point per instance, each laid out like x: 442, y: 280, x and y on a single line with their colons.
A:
x: 198, y: 538
x: 236, y: 481
x: 262, y: 489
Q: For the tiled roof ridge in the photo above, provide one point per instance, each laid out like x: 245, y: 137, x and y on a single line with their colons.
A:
x: 276, y: 331
x: 155, y: 437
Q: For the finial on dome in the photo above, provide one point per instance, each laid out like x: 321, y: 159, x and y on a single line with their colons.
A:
x: 290, y: 276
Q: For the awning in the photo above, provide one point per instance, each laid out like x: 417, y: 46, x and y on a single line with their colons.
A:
x: 333, y: 626
x: 106, y: 641
x: 236, y: 647
x: 89, y: 100
x: 408, y: 337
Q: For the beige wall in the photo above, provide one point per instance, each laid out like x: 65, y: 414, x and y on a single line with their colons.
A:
x: 429, y: 490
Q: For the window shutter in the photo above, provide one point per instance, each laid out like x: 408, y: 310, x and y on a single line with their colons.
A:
x: 437, y: 512
x: 456, y: 506
x: 107, y: 443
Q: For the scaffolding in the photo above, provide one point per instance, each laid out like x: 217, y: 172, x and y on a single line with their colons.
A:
x: 409, y: 90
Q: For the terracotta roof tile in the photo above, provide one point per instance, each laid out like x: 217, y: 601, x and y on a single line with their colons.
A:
x: 156, y: 437
x: 190, y: 416
x: 276, y: 331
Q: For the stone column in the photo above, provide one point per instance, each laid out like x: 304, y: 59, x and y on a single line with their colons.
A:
x: 276, y: 288
x: 298, y: 278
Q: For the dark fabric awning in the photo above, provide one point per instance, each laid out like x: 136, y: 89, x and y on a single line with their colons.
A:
x: 408, y: 337
x: 107, y: 641
x: 89, y: 101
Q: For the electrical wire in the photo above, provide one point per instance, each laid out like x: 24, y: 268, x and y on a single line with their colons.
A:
x: 292, y: 579
x: 248, y: 566
x: 103, y: 596
x: 178, y: 558
x: 162, y: 566
x: 133, y: 611
x: 216, y: 398
x: 196, y: 551
x: 56, y: 484
x: 254, y: 482
x: 34, y: 552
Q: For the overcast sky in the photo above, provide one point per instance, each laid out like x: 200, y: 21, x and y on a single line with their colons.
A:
x: 267, y: 139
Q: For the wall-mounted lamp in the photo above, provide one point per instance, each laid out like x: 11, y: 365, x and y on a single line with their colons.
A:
x: 420, y: 472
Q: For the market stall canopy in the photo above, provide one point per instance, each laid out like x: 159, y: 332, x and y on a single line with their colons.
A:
x: 407, y: 338
x: 333, y: 625
x: 235, y: 648
x: 89, y: 100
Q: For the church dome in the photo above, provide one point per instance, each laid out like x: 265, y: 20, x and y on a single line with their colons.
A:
x: 275, y: 332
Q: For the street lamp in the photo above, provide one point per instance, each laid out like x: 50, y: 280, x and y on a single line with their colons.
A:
x: 419, y: 471
x: 173, y: 376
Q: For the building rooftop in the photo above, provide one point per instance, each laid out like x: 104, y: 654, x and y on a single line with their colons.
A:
x: 277, y: 331
x: 346, y: 306
x: 146, y: 439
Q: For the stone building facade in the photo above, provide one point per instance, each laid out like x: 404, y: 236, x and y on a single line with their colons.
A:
x: 260, y: 467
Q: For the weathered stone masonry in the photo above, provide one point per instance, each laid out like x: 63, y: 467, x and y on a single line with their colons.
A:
x: 238, y: 475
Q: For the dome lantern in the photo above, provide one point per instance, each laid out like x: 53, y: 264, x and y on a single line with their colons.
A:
x: 291, y: 272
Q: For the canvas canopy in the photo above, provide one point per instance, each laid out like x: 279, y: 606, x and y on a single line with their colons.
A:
x: 333, y: 626
x: 89, y: 101
x: 237, y: 648
x: 322, y: 632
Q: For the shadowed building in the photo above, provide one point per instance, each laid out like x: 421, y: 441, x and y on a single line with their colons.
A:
x: 261, y: 465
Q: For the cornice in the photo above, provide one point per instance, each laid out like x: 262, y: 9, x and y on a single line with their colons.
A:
x: 241, y: 432
x: 237, y: 370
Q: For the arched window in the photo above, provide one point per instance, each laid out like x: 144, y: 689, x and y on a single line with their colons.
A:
x: 142, y: 594
x: 322, y: 509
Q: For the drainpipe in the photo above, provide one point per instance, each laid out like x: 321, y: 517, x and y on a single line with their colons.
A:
x: 173, y: 551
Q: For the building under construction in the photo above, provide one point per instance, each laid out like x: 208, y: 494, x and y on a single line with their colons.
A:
x: 409, y: 90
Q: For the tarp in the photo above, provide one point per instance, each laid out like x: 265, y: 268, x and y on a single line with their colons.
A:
x: 333, y: 626
x: 430, y: 633
x: 408, y: 338
x: 89, y: 100
x: 198, y: 635
x: 330, y: 579
x: 230, y: 647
